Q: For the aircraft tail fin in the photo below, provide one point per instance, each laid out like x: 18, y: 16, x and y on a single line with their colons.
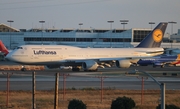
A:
x: 3, y: 49
x: 177, y: 61
x: 178, y: 57
x: 154, y: 38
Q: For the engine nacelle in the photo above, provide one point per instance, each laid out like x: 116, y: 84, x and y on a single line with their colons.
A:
x: 90, y: 65
x: 123, y: 63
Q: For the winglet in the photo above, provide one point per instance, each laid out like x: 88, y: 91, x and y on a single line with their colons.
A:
x: 3, y: 48
x: 154, y: 38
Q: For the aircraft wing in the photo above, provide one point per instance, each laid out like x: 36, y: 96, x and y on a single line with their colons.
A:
x: 103, y: 62
x: 99, y: 59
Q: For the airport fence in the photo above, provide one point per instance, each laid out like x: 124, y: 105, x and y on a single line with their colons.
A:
x: 90, y: 89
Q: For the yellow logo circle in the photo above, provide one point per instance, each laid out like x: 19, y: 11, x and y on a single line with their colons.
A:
x: 157, y: 35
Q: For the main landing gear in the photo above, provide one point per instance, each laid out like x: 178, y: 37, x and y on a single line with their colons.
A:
x: 75, y: 69
x: 23, y: 68
x: 91, y: 70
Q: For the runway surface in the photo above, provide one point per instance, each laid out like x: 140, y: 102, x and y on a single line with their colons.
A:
x: 113, y: 78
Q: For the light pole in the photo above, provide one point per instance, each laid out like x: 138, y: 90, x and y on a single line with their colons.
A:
x: 111, y: 21
x: 80, y: 25
x: 151, y: 23
x: 42, y: 21
x: 161, y: 85
x: 172, y: 22
x: 124, y: 22
x: 79, y: 30
x: 10, y: 21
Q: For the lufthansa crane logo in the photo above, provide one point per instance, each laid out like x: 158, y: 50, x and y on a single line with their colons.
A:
x: 157, y: 35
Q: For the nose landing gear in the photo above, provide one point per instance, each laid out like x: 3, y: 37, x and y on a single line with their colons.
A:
x: 23, y: 68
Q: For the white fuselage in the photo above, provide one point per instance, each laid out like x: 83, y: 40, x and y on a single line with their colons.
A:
x: 58, y: 54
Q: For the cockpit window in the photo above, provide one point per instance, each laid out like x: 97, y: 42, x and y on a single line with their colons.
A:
x: 19, y: 48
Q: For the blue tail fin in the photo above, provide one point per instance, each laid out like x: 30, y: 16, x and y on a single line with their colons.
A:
x: 154, y: 38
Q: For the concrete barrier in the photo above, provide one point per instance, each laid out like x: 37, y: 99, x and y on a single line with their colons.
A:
x: 19, y: 67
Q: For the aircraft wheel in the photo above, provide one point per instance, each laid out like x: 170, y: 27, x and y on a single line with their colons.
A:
x: 90, y: 70
x: 75, y: 69
x: 162, y: 66
x: 94, y: 70
x: 23, y: 69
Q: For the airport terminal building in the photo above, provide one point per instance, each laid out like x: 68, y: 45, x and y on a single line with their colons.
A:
x: 99, y: 38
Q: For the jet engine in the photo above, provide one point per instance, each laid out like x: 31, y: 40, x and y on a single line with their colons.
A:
x: 123, y: 63
x: 90, y: 65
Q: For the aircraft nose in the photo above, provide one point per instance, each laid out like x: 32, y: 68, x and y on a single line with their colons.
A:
x: 8, y: 57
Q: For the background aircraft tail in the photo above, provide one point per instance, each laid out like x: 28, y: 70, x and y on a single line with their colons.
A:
x: 177, y: 61
x: 178, y: 57
x: 3, y: 49
x: 154, y: 38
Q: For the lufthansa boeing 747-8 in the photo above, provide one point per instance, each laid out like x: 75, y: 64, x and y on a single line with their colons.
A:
x: 89, y: 59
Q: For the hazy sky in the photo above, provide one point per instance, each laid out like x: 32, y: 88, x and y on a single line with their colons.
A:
x: 92, y: 13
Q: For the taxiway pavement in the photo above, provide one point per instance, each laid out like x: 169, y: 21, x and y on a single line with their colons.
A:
x: 114, y: 78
